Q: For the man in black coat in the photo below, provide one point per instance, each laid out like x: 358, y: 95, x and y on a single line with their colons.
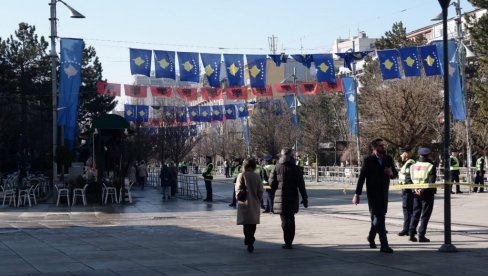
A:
x: 377, y: 170
x: 286, y: 180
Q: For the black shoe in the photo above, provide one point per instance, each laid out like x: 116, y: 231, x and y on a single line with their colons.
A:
x: 459, y: 192
x: 207, y: 200
x: 386, y: 249
x: 250, y: 248
x: 232, y: 205
x: 265, y: 211
x: 372, y: 244
x: 287, y: 246
x: 452, y: 192
x: 423, y: 239
x: 412, y: 238
x: 402, y: 233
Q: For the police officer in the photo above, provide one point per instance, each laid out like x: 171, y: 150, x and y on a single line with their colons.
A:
x: 422, y: 172
x: 480, y: 173
x: 207, y: 177
x: 407, y: 194
x: 455, y: 170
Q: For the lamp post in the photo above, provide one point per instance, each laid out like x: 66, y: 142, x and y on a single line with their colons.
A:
x: 54, y: 79
x: 447, y: 246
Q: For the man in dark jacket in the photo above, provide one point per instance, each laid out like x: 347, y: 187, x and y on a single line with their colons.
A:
x: 377, y: 170
x: 286, y: 180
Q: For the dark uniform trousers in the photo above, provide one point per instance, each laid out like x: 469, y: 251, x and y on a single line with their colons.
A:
x: 208, y: 187
x: 407, y: 205
x: 480, y: 180
x: 422, y: 210
x: 288, y: 226
x: 270, y: 200
x: 378, y: 226
x: 455, y: 178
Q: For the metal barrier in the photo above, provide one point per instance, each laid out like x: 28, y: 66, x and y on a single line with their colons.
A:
x: 188, y: 187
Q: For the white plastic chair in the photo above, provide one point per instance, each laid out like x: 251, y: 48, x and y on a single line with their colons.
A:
x: 127, y: 189
x: 9, y: 193
x: 24, y: 195
x: 80, y: 192
x: 62, y: 192
x: 106, y: 191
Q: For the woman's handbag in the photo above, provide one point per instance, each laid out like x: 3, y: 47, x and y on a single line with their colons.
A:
x: 242, y: 192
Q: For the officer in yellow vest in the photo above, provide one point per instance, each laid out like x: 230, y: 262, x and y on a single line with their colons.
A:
x: 455, y: 170
x: 207, y: 177
x: 407, y: 194
x: 480, y: 173
x: 422, y: 172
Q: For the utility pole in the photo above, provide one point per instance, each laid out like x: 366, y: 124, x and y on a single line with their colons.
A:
x: 272, y: 44
x: 357, y: 105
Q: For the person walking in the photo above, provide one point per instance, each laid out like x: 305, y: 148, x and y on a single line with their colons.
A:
x: 268, y: 168
x: 248, y: 212
x: 207, y: 177
x: 422, y: 172
x: 407, y: 194
x: 174, y: 178
x: 226, y: 168
x: 480, y: 173
x: 166, y: 180
x: 132, y: 172
x: 235, y: 172
x: 377, y: 170
x: 455, y: 170
x: 142, y: 174
x: 286, y: 180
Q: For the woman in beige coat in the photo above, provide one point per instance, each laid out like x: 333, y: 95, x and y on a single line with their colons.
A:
x: 248, y: 212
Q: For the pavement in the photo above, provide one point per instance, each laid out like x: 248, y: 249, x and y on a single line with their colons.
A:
x: 192, y: 237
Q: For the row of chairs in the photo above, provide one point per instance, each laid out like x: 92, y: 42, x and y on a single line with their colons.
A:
x: 26, y: 192
x: 107, y: 191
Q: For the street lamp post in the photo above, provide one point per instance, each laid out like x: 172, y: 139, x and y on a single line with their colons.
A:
x: 447, y: 246
x: 54, y: 80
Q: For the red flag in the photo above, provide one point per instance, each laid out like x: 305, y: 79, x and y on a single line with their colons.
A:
x: 333, y: 87
x: 211, y: 93
x: 237, y: 93
x: 309, y: 88
x: 263, y: 92
x: 136, y: 91
x: 286, y: 88
x: 109, y: 89
x: 189, y: 94
x: 162, y: 91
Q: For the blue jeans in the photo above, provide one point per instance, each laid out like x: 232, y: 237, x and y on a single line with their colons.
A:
x: 378, y: 226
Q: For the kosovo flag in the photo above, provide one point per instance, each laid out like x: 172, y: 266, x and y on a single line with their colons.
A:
x: 263, y: 107
x: 164, y: 62
x: 189, y: 66
x: 410, y: 61
x: 256, y: 64
x: 230, y: 111
x: 211, y: 65
x: 350, y: 57
x: 276, y: 107
x: 389, y: 64
x: 205, y: 114
x: 140, y: 62
x: 306, y: 60
x: 168, y: 113
x: 194, y: 113
x: 217, y: 113
x: 279, y: 59
x: 142, y: 114
x: 180, y: 114
x: 242, y: 110
x: 130, y: 111
x: 193, y: 131
x: 430, y: 59
x: 324, y: 66
x: 234, y: 64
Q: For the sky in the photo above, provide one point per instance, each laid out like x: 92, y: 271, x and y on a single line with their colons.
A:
x: 215, y: 26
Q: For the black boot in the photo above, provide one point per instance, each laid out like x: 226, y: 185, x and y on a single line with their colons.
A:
x: 412, y: 238
x: 423, y: 239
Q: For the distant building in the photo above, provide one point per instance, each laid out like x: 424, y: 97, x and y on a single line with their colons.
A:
x: 359, y: 43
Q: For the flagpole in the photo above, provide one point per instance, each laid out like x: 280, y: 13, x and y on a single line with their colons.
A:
x: 296, y: 115
x: 357, y: 106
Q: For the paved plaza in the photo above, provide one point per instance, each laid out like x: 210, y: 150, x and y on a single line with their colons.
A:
x: 190, y: 237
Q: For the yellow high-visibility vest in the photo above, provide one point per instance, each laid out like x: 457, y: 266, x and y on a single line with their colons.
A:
x: 420, y: 171
x: 455, y: 166
x: 404, y: 170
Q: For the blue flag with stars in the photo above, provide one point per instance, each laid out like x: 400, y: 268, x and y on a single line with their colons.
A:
x: 194, y: 113
x: 234, y: 64
x: 189, y: 66
x: 306, y: 60
x: 256, y: 64
x: 350, y: 97
x: 164, y: 62
x: 168, y: 113
x: 230, y: 111
x: 180, y: 114
x: 279, y: 59
x: 193, y: 131
x: 69, y: 87
x: 130, y: 111
x: 242, y: 110
x: 142, y: 113
x: 410, y: 61
x: 350, y: 57
x: 205, y: 114
x: 140, y: 62
x: 217, y: 113
x: 276, y: 107
x: 324, y: 66
x: 430, y: 59
x: 211, y: 66
x: 389, y: 64
x: 263, y: 107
